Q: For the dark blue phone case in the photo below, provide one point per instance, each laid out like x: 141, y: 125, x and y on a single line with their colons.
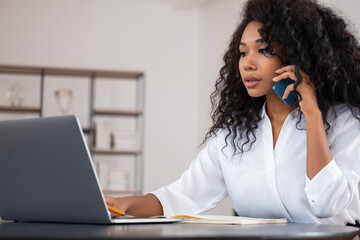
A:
x: 279, y: 89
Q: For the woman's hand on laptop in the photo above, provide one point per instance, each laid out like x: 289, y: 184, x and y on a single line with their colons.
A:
x: 116, y: 203
x: 139, y: 206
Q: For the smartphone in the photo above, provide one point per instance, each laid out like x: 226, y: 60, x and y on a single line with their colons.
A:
x: 279, y: 89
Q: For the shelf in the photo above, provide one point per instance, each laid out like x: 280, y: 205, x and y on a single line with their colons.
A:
x: 69, y: 72
x: 118, y: 112
x: 29, y: 109
x: 133, y: 150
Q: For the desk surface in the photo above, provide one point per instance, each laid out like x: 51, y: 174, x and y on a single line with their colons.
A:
x: 177, y: 231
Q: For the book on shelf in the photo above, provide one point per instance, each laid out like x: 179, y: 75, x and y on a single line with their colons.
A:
x: 235, y: 220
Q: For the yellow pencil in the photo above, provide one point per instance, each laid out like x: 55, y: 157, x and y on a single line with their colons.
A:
x: 114, y: 210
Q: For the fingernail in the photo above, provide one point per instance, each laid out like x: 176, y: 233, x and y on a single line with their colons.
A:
x: 274, y: 78
x: 277, y: 71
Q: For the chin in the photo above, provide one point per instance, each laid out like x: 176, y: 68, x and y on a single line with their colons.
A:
x: 255, y: 94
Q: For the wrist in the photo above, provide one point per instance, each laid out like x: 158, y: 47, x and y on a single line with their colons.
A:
x: 313, y: 114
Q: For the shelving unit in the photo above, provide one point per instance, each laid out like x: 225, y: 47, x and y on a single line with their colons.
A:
x: 93, y: 76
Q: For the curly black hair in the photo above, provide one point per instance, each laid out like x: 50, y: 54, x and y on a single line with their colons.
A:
x: 314, y: 38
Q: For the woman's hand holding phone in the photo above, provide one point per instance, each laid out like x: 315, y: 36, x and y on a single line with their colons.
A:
x: 306, y: 88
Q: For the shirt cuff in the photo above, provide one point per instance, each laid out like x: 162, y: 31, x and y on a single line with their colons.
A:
x: 324, y: 190
x: 323, y: 181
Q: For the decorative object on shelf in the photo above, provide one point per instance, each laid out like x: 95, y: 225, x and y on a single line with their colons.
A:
x: 113, y: 179
x: 103, y: 135
x: 112, y: 139
x: 103, y: 170
x: 63, y: 98
x: 14, y: 94
x: 118, y: 180
x: 126, y: 140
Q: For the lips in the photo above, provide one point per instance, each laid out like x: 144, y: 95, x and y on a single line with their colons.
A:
x: 251, y: 81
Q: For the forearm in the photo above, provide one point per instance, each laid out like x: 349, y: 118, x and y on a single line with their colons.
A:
x: 318, y: 152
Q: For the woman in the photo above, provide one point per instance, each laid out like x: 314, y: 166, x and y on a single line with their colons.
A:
x: 298, y: 161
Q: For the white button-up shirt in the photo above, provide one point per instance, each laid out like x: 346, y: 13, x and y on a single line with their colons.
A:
x: 271, y: 182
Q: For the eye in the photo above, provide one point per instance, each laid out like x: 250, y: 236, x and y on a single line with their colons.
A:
x: 243, y: 54
x: 266, y: 51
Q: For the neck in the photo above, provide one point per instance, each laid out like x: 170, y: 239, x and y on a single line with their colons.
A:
x: 276, y: 109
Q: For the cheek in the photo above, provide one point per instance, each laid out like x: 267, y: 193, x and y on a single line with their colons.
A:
x: 272, y: 65
x: 240, y: 66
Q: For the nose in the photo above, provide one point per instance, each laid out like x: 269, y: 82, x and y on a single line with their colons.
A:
x: 249, y: 63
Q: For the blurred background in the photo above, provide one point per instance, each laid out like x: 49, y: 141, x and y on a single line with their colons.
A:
x: 178, y: 46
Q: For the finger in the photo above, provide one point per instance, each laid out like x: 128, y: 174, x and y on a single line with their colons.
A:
x: 109, y: 200
x: 304, y: 77
x: 288, y: 90
x: 288, y: 68
x: 285, y: 75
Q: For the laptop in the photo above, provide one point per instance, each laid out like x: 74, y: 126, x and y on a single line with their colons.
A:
x: 47, y: 174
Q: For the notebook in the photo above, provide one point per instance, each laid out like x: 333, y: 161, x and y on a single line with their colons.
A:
x: 47, y: 174
x: 233, y: 220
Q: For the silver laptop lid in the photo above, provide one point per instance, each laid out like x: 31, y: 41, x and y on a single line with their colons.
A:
x: 46, y: 173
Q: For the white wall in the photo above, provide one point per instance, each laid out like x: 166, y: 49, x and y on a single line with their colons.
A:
x: 180, y: 51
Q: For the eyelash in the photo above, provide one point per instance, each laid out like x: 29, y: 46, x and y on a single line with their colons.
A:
x: 264, y: 50
x: 242, y: 54
x: 261, y: 51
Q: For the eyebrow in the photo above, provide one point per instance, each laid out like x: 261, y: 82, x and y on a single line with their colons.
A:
x: 261, y: 40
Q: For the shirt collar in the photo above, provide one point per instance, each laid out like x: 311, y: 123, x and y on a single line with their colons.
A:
x: 263, y: 110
